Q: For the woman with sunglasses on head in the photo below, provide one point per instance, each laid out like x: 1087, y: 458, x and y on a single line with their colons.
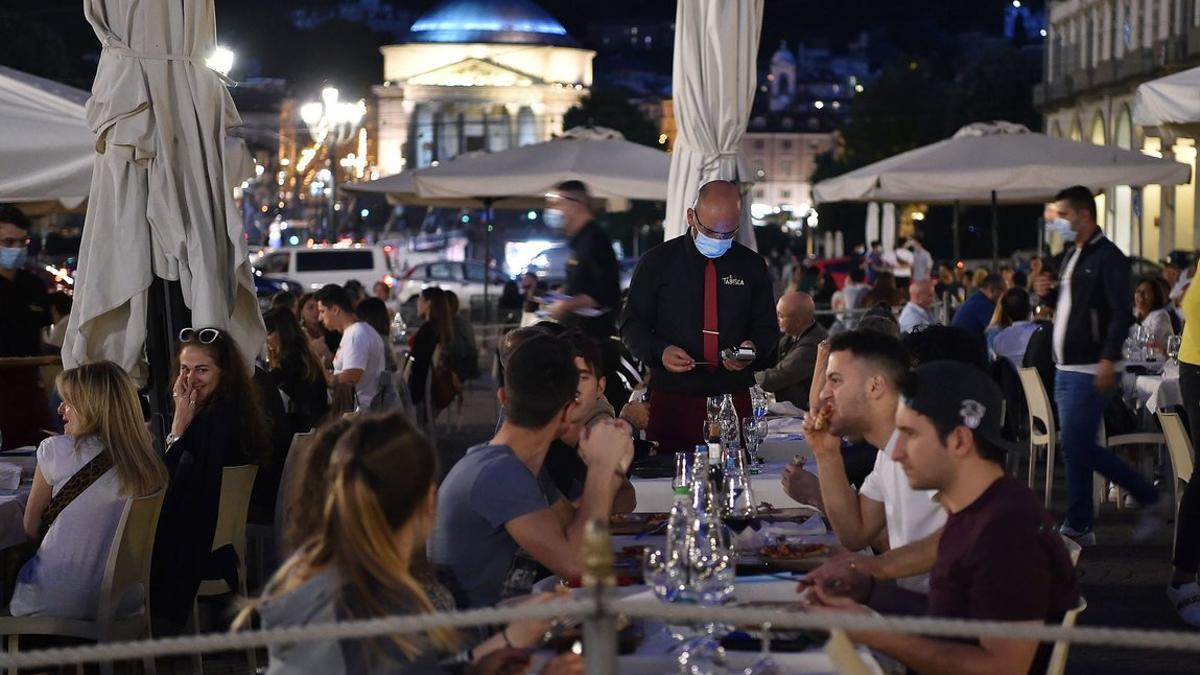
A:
x: 361, y: 558
x: 219, y: 422
x: 83, y: 480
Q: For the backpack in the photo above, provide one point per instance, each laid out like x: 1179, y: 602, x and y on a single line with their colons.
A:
x: 444, y: 383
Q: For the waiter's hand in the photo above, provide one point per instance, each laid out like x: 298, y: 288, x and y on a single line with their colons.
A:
x: 675, y: 360
x: 1106, y: 376
x: 735, y: 365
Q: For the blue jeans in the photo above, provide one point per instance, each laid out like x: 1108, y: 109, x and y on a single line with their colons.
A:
x: 1080, y: 411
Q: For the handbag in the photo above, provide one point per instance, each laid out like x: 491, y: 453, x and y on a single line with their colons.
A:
x: 75, y: 485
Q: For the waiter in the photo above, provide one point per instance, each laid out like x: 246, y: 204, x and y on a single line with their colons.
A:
x: 593, y: 284
x: 691, y: 298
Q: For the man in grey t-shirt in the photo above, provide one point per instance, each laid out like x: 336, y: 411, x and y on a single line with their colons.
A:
x: 497, y: 512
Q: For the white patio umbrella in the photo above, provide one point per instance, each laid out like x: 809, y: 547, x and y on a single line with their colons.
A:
x: 1174, y: 99
x: 714, y: 78
x: 46, y: 149
x: 160, y: 203
x: 1016, y: 164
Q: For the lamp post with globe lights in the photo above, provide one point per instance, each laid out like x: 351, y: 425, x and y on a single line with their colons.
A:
x: 332, y: 122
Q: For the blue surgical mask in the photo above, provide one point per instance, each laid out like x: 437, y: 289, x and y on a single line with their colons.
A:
x: 712, y: 248
x: 554, y: 219
x: 13, y: 258
x: 1063, y: 226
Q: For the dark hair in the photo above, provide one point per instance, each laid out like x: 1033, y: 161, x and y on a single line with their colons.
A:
x: 374, y: 313
x: 1158, y: 299
x: 917, y: 238
x: 236, y: 390
x: 355, y: 288
x: 585, y: 348
x: 512, y: 340
x: 876, y: 243
x: 885, y: 353
x: 857, y: 275
x: 936, y: 342
x: 452, y: 303
x: 540, y: 381
x: 332, y: 295
x: 1014, y: 304
x: 575, y: 186
x: 884, y: 292
x: 876, y: 322
x: 1020, y: 279
x: 439, y: 314
x: 993, y: 282
x: 946, y: 264
x: 60, y: 301
x: 987, y: 451
x: 293, y: 342
x: 285, y: 299
x: 1079, y: 197
x: 14, y: 216
x: 306, y: 498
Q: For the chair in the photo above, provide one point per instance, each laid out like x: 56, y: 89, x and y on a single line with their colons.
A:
x: 237, y: 482
x: 1073, y: 549
x: 1058, y: 656
x: 1141, y: 438
x: 1179, y: 448
x: 1042, y: 431
x: 295, y: 462
x: 127, y: 566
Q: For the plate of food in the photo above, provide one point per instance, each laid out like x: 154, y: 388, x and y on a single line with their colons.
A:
x: 796, y: 555
x: 635, y: 523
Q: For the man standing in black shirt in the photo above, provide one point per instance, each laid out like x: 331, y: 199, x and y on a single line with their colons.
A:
x: 691, y: 298
x: 593, y: 278
x: 23, y: 311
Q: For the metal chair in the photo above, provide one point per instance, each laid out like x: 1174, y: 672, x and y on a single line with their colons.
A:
x: 128, y: 566
x: 237, y: 483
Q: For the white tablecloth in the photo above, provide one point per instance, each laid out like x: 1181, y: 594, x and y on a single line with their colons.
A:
x: 785, y: 439
x: 1154, y: 392
x: 655, y: 494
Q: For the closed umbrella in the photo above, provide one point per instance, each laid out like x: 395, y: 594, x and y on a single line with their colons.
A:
x: 46, y: 149
x: 714, y: 78
x: 1174, y: 99
x: 160, y: 204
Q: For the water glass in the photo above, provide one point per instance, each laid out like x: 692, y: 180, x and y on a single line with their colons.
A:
x: 683, y: 473
x: 1173, y: 344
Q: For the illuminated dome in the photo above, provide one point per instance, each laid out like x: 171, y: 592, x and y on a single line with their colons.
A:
x: 489, y: 21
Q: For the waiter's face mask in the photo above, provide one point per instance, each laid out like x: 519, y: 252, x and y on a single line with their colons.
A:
x: 710, y: 244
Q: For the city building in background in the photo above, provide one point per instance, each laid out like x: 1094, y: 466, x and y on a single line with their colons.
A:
x: 476, y: 75
x: 1097, y: 53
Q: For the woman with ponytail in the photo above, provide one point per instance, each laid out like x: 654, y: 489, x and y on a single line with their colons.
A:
x: 359, y: 559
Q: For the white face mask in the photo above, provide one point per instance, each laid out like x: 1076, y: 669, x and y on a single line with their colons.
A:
x: 1063, y: 227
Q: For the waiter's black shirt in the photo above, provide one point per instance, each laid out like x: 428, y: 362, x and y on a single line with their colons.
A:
x: 666, y: 307
x: 592, y: 270
x: 23, y: 314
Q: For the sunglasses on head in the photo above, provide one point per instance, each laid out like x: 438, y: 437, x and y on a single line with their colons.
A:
x: 206, y: 336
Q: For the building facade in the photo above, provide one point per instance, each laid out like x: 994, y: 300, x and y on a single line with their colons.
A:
x: 1097, y: 53
x: 476, y: 75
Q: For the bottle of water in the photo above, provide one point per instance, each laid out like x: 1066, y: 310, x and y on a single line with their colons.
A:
x: 681, y: 513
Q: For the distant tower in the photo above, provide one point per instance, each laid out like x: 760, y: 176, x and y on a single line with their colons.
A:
x: 783, y: 78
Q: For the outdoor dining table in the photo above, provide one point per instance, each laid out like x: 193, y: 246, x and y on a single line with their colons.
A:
x: 1152, y: 390
x: 656, y: 494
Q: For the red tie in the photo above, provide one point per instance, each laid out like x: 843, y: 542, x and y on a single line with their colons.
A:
x: 710, y: 314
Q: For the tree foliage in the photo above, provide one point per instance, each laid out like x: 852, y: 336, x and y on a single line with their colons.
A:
x: 611, y: 108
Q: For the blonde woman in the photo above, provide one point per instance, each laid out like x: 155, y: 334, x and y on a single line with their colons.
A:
x: 85, y: 477
x: 359, y: 559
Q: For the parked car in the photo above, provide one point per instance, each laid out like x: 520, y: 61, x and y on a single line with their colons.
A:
x: 266, y: 288
x: 464, y: 278
x: 318, y: 266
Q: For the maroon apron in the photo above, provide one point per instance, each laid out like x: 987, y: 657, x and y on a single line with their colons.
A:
x: 677, y: 420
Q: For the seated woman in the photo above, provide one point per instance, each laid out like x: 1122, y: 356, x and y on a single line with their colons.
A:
x: 362, y: 558
x: 1149, y: 303
x: 219, y: 422
x: 295, y: 370
x: 83, y: 480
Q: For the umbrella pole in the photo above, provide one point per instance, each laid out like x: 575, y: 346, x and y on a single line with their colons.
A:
x: 165, y: 316
x: 954, y: 229
x: 487, y: 255
x: 995, y: 234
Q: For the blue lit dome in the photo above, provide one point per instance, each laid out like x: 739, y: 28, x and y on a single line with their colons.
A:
x: 492, y: 21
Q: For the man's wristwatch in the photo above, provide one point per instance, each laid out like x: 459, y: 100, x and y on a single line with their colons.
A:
x: 171, y: 438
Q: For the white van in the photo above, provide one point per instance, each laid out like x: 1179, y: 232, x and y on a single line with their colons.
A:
x: 314, y: 267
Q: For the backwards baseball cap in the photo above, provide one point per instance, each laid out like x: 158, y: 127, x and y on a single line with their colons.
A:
x: 954, y: 394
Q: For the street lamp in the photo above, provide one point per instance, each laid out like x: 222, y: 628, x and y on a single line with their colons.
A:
x: 221, y: 60
x: 332, y: 122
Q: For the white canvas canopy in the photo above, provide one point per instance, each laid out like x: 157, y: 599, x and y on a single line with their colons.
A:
x: 46, y: 148
x: 160, y: 203
x: 1016, y: 164
x: 1174, y: 99
x: 714, y: 77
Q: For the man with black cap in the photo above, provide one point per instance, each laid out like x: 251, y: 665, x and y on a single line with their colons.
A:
x: 1000, y: 557
x: 693, y: 301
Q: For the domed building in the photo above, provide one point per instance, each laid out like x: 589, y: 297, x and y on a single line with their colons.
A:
x: 476, y: 75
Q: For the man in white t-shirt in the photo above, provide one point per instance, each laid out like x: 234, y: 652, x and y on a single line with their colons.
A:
x: 864, y: 377
x: 360, y: 358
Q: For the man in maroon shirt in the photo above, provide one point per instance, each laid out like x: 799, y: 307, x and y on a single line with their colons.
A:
x: 1000, y: 557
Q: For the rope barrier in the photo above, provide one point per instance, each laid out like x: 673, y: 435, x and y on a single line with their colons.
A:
x: 1132, y: 638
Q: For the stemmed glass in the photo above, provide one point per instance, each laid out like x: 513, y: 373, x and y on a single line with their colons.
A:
x: 754, y: 429
x: 1173, y: 344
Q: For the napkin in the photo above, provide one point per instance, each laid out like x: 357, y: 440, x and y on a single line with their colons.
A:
x: 785, y: 425
x: 752, y: 540
x: 786, y: 408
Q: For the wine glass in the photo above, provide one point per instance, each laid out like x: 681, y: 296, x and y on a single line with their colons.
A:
x: 764, y: 665
x: 1173, y: 344
x: 750, y: 433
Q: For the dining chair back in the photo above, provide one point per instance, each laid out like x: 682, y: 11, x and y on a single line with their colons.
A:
x: 1042, y: 430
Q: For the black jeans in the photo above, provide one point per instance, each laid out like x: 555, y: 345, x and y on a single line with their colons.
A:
x: 1187, y: 524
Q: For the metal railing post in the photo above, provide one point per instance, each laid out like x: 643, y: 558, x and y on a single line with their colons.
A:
x: 600, y: 626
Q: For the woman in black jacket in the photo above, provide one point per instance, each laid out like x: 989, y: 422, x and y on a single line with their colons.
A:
x: 219, y: 422
x: 438, y: 330
x: 295, y: 370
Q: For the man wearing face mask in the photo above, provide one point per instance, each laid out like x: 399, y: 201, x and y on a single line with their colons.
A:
x: 691, y: 299
x: 22, y: 293
x: 593, y: 278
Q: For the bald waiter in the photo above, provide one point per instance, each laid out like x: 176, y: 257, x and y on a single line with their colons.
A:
x: 691, y: 298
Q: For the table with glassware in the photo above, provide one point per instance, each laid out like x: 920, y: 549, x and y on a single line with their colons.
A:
x: 16, y: 479
x: 1151, y: 385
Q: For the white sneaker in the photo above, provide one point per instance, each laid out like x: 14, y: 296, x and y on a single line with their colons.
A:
x: 1114, y: 493
x: 1085, y: 538
x: 1186, y: 600
x: 1151, y: 519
